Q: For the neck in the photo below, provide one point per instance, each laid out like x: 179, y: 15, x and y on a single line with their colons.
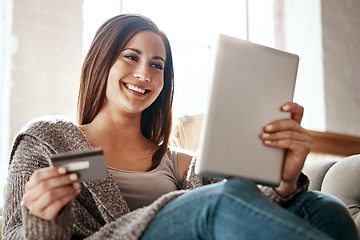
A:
x: 114, y: 129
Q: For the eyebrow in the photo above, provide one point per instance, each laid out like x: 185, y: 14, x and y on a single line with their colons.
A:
x: 139, y: 52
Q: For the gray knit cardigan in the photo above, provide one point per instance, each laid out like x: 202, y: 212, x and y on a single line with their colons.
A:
x: 99, y: 212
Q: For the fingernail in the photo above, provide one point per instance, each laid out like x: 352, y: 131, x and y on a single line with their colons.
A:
x: 265, y: 135
x: 267, y: 142
x: 286, y: 107
x: 61, y: 170
x: 269, y: 127
x: 73, y: 177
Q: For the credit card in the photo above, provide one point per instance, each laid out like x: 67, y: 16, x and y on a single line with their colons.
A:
x: 89, y: 165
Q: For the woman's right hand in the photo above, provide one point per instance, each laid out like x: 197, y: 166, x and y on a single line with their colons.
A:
x: 49, y: 190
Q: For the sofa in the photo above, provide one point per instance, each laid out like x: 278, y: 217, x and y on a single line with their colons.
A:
x: 338, y: 178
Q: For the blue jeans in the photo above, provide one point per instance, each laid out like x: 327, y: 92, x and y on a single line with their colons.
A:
x: 236, y: 209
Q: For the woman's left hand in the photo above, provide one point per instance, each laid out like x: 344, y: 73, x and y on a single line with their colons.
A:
x: 289, y: 135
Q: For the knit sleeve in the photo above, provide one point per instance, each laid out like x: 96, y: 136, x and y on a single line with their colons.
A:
x: 302, y: 185
x: 28, y: 155
x: 193, y: 180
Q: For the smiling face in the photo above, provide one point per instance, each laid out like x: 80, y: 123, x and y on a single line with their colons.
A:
x: 137, y: 76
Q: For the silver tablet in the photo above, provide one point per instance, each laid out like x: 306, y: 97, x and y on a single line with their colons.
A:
x: 250, y: 83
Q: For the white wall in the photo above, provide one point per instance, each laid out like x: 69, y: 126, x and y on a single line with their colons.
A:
x: 5, y: 69
x: 47, y: 62
x: 341, y: 59
x: 325, y: 34
x: 40, y: 62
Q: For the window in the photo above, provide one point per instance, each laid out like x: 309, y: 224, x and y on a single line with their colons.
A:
x: 95, y: 13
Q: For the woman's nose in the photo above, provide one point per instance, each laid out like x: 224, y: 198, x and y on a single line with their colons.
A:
x: 142, y: 73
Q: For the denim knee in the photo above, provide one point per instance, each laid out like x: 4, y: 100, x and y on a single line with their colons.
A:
x: 311, y: 201
x: 325, y: 212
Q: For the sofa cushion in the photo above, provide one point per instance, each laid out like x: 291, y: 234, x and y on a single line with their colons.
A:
x: 316, y: 172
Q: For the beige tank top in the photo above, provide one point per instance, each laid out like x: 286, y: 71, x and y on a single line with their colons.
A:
x: 142, y: 188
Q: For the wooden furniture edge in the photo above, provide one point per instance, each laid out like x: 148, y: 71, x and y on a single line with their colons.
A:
x: 334, y: 143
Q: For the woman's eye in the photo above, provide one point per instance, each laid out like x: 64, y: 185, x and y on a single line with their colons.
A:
x: 157, y: 66
x: 131, y: 57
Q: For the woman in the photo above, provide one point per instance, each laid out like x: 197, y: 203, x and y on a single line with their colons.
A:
x: 124, y: 107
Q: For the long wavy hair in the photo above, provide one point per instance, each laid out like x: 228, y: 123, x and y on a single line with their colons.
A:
x: 108, y: 43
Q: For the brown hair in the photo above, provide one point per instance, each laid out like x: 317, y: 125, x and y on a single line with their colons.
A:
x: 109, y: 42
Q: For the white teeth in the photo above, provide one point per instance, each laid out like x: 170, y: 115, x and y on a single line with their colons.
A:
x: 136, y: 89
